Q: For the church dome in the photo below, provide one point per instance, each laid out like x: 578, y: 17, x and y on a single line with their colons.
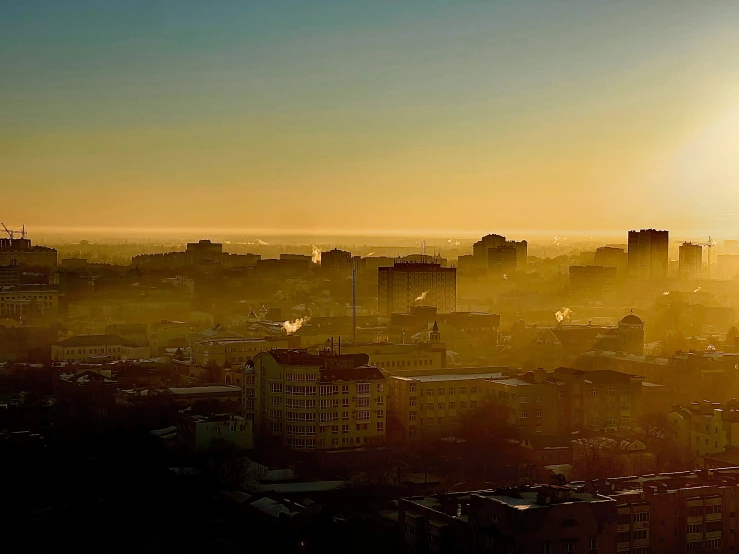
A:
x: 631, y: 319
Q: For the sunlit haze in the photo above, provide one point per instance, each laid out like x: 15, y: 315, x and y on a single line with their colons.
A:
x: 413, y: 117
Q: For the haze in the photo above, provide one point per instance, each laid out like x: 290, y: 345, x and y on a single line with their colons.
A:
x: 427, y: 115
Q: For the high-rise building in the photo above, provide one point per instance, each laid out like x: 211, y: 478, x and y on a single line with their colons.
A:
x: 609, y: 256
x: 592, y: 280
x: 339, y: 261
x: 480, y: 251
x: 691, y: 259
x: 648, y: 253
x: 406, y: 285
x: 502, y: 260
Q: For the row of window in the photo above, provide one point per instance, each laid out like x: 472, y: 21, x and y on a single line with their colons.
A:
x: 441, y: 406
x: 442, y: 392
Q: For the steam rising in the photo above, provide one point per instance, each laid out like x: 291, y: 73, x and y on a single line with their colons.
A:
x: 697, y: 290
x: 421, y: 296
x: 368, y: 255
x: 666, y: 293
x: 315, y: 254
x: 505, y: 276
x: 291, y: 326
x: 562, y: 314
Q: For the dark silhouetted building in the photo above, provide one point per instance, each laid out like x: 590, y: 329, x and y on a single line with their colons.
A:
x: 691, y: 260
x: 592, y: 280
x: 648, y: 254
x: 609, y: 256
x: 502, y: 260
x: 405, y: 285
x: 21, y: 252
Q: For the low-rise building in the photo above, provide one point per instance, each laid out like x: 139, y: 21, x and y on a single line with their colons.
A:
x: 431, y: 405
x: 233, y: 351
x: 29, y: 300
x: 165, y: 334
x: 87, y: 347
x: 200, y: 432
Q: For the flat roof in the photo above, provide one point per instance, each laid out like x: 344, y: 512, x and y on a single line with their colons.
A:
x: 447, y: 377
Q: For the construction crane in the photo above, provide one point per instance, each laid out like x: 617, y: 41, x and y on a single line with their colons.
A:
x: 709, y: 244
x: 12, y: 232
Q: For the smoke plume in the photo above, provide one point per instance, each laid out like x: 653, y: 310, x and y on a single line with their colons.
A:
x: 562, y: 314
x: 315, y: 254
x: 292, y: 326
x: 421, y: 296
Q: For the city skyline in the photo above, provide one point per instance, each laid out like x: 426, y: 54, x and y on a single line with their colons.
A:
x: 431, y: 115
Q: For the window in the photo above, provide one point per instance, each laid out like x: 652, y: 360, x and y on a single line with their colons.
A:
x: 594, y: 393
x: 363, y: 388
x: 569, y: 547
x: 440, y: 421
x: 412, y: 387
x: 463, y: 390
x: 364, y: 414
x: 275, y: 387
x: 344, y: 429
x: 344, y: 415
x: 440, y: 406
x: 429, y: 392
x: 524, y: 414
x: 713, y: 544
x: 463, y: 405
x: 452, y: 405
x: 694, y: 528
x: 380, y: 387
x: 430, y: 421
x: 641, y: 516
x: 473, y: 404
x: 412, y: 401
x: 380, y: 400
x: 695, y: 545
x: 473, y: 390
x: 380, y: 413
x: 538, y: 398
x: 380, y: 426
x: 561, y: 395
x: 344, y: 389
x: 412, y: 416
x: 538, y: 413
x: 440, y: 392
x: 335, y: 430
x: 452, y: 391
x: 715, y: 509
x: 593, y: 543
x: 412, y: 430
x: 594, y: 421
x: 625, y: 419
x: 524, y: 400
x: 345, y: 402
x: 640, y: 535
x: 363, y: 402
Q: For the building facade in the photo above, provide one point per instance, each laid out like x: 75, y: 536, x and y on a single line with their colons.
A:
x: 29, y: 300
x: 87, y: 347
x: 406, y: 285
x: 315, y: 402
x: 649, y: 254
x: 691, y: 260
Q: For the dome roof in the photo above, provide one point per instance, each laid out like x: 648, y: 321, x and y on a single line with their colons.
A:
x: 631, y: 319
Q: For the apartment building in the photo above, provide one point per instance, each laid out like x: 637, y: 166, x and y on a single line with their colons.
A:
x: 430, y: 406
x: 536, y: 519
x: 393, y: 357
x: 599, y: 400
x: 676, y: 513
x: 706, y: 428
x: 535, y: 401
x: 315, y: 402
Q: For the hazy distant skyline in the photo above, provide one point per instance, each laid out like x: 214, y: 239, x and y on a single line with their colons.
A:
x: 410, y: 117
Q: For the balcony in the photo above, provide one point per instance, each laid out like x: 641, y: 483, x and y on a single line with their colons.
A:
x: 624, y: 528
x: 714, y: 517
x: 713, y: 535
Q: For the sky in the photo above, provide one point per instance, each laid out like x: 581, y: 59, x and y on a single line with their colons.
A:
x: 416, y: 116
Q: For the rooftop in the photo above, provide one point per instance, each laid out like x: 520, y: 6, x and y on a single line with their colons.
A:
x: 94, y: 340
x: 438, y: 377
